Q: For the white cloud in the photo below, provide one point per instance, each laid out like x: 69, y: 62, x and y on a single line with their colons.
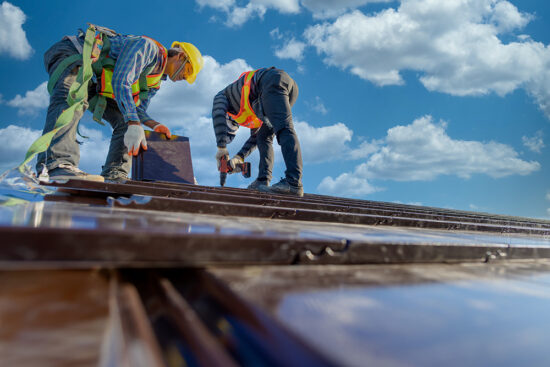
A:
x: 217, y: 4
x: 507, y: 17
x: 33, y: 100
x: 292, y: 49
x: 93, y: 150
x: 238, y: 15
x: 454, y: 44
x: 323, y: 144
x: 347, y: 184
x: 331, y: 8
x: 534, y: 143
x: 13, y: 39
x: 319, y: 106
x: 423, y: 151
x: 14, y: 142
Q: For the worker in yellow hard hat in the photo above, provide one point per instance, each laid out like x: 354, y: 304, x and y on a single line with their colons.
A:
x: 128, y: 73
x: 191, y: 66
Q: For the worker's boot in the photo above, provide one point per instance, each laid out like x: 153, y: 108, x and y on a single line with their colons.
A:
x: 70, y: 172
x: 285, y: 188
x: 256, y: 185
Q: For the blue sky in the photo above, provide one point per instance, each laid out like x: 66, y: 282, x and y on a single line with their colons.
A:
x: 438, y: 103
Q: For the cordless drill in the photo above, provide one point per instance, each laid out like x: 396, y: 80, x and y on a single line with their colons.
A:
x: 226, y: 168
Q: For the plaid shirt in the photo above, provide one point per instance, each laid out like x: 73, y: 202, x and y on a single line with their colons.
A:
x: 133, y: 54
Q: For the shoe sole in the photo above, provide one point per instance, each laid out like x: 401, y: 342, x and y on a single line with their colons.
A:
x: 94, y: 178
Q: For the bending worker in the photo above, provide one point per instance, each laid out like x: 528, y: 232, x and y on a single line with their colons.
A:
x: 128, y: 72
x: 261, y: 100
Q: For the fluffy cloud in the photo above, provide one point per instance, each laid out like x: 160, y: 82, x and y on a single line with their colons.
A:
x: 238, y: 15
x: 33, y: 100
x: 292, y: 49
x: 331, y: 8
x: 347, y: 184
x: 93, y: 150
x: 454, y: 44
x: 318, y: 106
x: 534, y: 143
x: 323, y: 144
x: 13, y: 39
x: 14, y: 142
x: 423, y: 151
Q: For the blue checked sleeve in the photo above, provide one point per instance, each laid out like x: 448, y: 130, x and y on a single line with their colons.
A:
x: 136, y: 55
x: 142, y: 108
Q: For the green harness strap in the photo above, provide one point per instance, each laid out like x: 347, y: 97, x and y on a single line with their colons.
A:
x: 60, y: 69
x: 78, y: 95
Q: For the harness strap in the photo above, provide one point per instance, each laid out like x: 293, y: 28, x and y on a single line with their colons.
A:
x: 60, y: 69
x: 77, y: 100
x: 75, y: 43
x: 98, y: 104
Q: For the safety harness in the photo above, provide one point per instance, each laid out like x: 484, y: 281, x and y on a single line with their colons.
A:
x: 246, y: 116
x: 95, y: 60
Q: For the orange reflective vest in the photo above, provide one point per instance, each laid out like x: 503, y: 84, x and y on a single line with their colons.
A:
x: 145, y: 82
x: 246, y: 116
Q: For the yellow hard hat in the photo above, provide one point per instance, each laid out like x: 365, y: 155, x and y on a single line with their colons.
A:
x: 195, y: 58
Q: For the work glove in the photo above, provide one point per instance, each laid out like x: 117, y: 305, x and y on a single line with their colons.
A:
x: 134, y: 138
x: 222, y: 152
x: 160, y: 128
x: 233, y: 163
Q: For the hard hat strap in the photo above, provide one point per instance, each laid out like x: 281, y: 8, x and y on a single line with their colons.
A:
x: 180, y: 68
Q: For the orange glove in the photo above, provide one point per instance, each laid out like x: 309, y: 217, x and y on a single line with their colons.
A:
x: 160, y: 128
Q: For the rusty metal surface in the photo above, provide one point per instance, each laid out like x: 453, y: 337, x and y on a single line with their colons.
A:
x: 289, y: 281
x: 78, y: 235
x: 419, y: 315
x: 52, y: 318
x: 234, y: 202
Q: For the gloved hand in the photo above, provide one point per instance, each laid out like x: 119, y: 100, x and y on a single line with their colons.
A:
x: 160, y: 128
x: 233, y: 162
x: 222, y: 152
x: 134, y: 138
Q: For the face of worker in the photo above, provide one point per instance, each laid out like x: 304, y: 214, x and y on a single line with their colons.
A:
x: 181, y: 72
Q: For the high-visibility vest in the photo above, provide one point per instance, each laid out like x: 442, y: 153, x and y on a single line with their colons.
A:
x: 140, y: 87
x: 246, y: 116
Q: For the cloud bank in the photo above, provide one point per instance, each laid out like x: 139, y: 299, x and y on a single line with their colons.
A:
x: 13, y: 39
x: 455, y: 45
x: 423, y: 151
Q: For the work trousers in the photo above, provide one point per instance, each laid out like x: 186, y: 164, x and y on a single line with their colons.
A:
x: 278, y: 93
x: 64, y: 148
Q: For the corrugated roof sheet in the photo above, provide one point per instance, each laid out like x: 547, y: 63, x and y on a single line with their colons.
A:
x: 224, y: 276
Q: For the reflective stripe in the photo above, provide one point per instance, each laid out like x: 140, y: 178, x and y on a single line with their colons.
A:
x: 246, y: 116
x: 152, y: 80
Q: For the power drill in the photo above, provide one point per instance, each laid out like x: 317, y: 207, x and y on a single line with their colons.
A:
x: 225, y: 168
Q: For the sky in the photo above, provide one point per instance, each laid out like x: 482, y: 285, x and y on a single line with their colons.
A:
x: 442, y: 103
